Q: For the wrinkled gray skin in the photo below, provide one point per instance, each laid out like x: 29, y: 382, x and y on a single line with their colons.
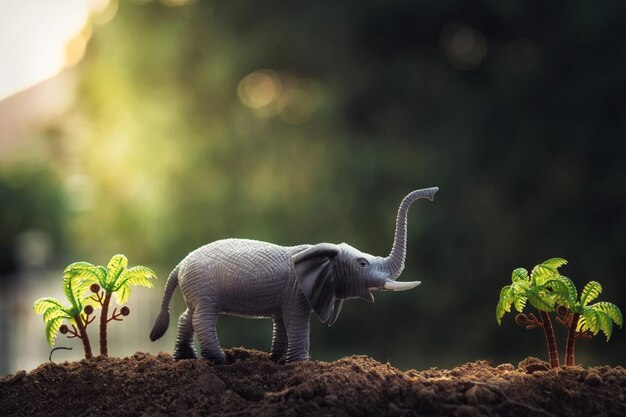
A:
x: 258, y: 279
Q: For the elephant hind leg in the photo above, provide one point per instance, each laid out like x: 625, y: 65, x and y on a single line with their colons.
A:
x: 279, y: 340
x: 205, y: 325
x: 184, y: 341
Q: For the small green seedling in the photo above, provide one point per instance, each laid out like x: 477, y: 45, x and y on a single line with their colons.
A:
x: 545, y: 289
x: 75, y: 286
x: 542, y: 288
x: 584, y: 320
x: 79, y: 279
x: 116, y: 279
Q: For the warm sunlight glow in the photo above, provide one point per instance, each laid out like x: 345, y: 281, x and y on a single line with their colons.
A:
x: 40, y: 38
x: 75, y: 50
x: 102, y: 11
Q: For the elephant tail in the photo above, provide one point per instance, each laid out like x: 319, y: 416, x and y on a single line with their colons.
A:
x: 163, y: 320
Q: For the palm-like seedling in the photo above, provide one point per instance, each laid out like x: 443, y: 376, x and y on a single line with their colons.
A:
x: 116, y: 279
x: 75, y: 285
x: 586, y: 320
x: 541, y: 289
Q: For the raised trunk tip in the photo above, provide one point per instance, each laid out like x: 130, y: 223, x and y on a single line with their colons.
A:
x: 395, y: 261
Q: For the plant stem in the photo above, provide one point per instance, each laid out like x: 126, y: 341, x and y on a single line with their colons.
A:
x: 550, y: 339
x: 571, y: 340
x: 83, y: 336
x: 103, y: 324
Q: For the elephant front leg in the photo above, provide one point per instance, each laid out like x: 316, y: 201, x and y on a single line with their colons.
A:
x: 184, y: 341
x: 297, y: 325
x: 279, y: 340
x: 204, y: 323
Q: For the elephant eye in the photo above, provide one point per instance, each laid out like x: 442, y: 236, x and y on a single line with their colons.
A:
x: 362, y: 262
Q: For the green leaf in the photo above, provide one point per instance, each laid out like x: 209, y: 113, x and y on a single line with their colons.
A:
x: 77, y: 268
x: 500, y: 311
x: 102, y: 273
x: 519, y: 274
x: 504, y: 305
x: 505, y: 292
x: 611, y: 310
x: 53, y: 313
x: 520, y: 287
x: 77, y: 278
x: 138, y: 275
x: 554, y: 263
x: 589, y: 321
x: 122, y: 295
x: 591, y: 291
x: 573, y: 293
x: 73, y: 311
x: 115, y: 268
x: 561, y: 291
x: 540, y: 274
x: 520, y: 303
x: 541, y: 300
x: 605, y: 323
x: 41, y: 305
x: 83, y: 273
x: 52, y: 329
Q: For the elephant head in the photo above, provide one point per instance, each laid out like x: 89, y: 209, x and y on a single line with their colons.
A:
x: 328, y: 274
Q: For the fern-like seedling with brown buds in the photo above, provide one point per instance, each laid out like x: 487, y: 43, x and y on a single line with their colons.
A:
x: 77, y: 314
x: 88, y: 286
x: 116, y: 280
x: 584, y: 320
x: 542, y: 288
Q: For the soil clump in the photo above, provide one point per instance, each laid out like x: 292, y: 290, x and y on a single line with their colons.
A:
x: 252, y: 385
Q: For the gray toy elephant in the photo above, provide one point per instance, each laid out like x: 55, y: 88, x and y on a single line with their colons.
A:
x: 257, y: 279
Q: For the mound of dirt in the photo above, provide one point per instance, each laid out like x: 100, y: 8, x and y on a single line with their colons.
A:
x: 251, y: 384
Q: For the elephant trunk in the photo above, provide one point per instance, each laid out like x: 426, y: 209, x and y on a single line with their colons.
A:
x: 394, y: 263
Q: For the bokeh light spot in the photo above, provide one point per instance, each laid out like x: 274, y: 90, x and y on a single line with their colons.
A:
x: 298, y: 102
x: 464, y: 46
x: 259, y: 89
x: 102, y: 11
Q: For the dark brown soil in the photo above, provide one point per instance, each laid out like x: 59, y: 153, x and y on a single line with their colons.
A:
x: 356, y: 386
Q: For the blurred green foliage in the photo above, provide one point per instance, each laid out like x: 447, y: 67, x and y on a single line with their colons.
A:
x: 515, y: 110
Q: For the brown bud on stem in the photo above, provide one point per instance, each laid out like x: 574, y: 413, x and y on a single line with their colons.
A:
x: 562, y: 310
x: 521, y: 319
x: 63, y: 329
x: 125, y: 311
x: 88, y: 309
x: 94, y: 288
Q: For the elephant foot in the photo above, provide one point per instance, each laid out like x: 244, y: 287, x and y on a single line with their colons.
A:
x: 216, y: 359
x: 219, y: 361
x: 297, y: 358
x: 277, y: 357
x: 185, y: 352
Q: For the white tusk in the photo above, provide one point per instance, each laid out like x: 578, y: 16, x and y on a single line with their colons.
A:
x: 401, y: 286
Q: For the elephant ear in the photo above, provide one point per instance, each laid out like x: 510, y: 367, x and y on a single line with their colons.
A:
x: 315, y: 272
